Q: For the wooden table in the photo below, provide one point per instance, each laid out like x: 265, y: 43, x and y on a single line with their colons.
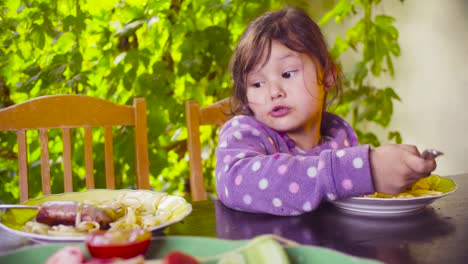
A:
x: 436, y: 234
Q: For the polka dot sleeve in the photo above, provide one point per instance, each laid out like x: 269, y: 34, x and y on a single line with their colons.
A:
x: 255, y: 172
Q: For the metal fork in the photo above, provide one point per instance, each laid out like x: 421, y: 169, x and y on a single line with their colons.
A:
x: 18, y: 206
x: 431, y: 154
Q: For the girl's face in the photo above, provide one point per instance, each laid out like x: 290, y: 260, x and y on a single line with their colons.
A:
x: 285, y: 94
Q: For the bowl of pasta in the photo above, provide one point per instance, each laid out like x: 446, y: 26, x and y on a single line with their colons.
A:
x: 72, y: 216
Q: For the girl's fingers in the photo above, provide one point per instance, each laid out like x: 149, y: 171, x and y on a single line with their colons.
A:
x: 419, y: 165
x: 411, y: 148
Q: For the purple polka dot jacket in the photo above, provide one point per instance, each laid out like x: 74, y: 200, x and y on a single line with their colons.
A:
x: 260, y: 170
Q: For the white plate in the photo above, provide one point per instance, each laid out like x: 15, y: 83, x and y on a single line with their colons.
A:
x: 387, y: 206
x: 13, y: 219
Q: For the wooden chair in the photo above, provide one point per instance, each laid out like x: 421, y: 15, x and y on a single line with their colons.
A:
x: 215, y: 114
x: 76, y: 111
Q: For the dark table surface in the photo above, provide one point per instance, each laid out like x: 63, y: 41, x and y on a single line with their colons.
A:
x: 436, y: 234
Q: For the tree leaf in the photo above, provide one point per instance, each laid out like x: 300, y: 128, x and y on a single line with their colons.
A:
x: 339, y: 12
x: 395, y: 135
x: 339, y: 47
x: 65, y: 42
x: 384, y: 20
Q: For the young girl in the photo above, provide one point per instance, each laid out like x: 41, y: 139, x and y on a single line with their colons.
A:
x: 284, y: 154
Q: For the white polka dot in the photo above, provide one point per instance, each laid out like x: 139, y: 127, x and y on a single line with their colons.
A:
x: 347, y: 184
x: 238, y: 180
x: 307, y: 207
x: 226, y: 168
x: 282, y: 169
x: 255, y: 132
x: 340, y: 153
x: 223, y: 144
x: 240, y: 155
x: 247, y: 199
x: 301, y: 158
x: 226, y: 192
x: 331, y: 196
x: 277, y: 202
x: 238, y: 135
x: 235, y: 123
x: 358, y: 163
x: 263, y: 184
x: 227, y: 159
x: 312, y: 171
x: 256, y: 166
x: 244, y: 126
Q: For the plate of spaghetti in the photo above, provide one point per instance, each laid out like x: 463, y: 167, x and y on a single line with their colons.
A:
x: 71, y: 216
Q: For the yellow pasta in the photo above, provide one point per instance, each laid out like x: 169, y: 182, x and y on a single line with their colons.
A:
x: 131, y: 209
x: 428, y: 186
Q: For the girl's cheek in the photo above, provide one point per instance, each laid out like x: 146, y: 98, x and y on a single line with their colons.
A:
x: 257, y: 102
x: 254, y: 96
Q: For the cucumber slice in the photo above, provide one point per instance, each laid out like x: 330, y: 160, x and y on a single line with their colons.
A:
x: 265, y: 249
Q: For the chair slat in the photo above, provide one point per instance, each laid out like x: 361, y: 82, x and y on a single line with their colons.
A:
x: 22, y: 164
x: 197, y: 187
x: 109, y: 161
x: 67, y: 157
x: 45, y: 165
x: 215, y: 114
x: 141, y: 140
x: 88, y: 153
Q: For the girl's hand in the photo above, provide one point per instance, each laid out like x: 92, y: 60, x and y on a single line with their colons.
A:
x: 396, y: 167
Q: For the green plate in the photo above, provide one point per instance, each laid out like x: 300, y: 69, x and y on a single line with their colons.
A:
x: 196, y: 246
x: 13, y: 220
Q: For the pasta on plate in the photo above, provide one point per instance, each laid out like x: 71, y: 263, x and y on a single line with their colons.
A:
x: 432, y: 185
x: 138, y: 209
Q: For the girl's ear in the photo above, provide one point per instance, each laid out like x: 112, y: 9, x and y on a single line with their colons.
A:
x: 330, y: 78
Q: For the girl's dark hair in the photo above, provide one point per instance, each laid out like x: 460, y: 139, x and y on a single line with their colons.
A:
x: 291, y: 27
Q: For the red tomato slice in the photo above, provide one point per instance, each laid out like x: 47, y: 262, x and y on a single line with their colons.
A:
x: 177, y: 257
x: 118, y: 244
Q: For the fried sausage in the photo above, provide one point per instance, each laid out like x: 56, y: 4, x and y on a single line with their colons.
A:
x: 65, y: 213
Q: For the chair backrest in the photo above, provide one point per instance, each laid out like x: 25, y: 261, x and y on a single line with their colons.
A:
x: 215, y: 114
x: 76, y: 111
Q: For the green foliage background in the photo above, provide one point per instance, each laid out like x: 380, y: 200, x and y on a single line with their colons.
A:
x: 167, y: 51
